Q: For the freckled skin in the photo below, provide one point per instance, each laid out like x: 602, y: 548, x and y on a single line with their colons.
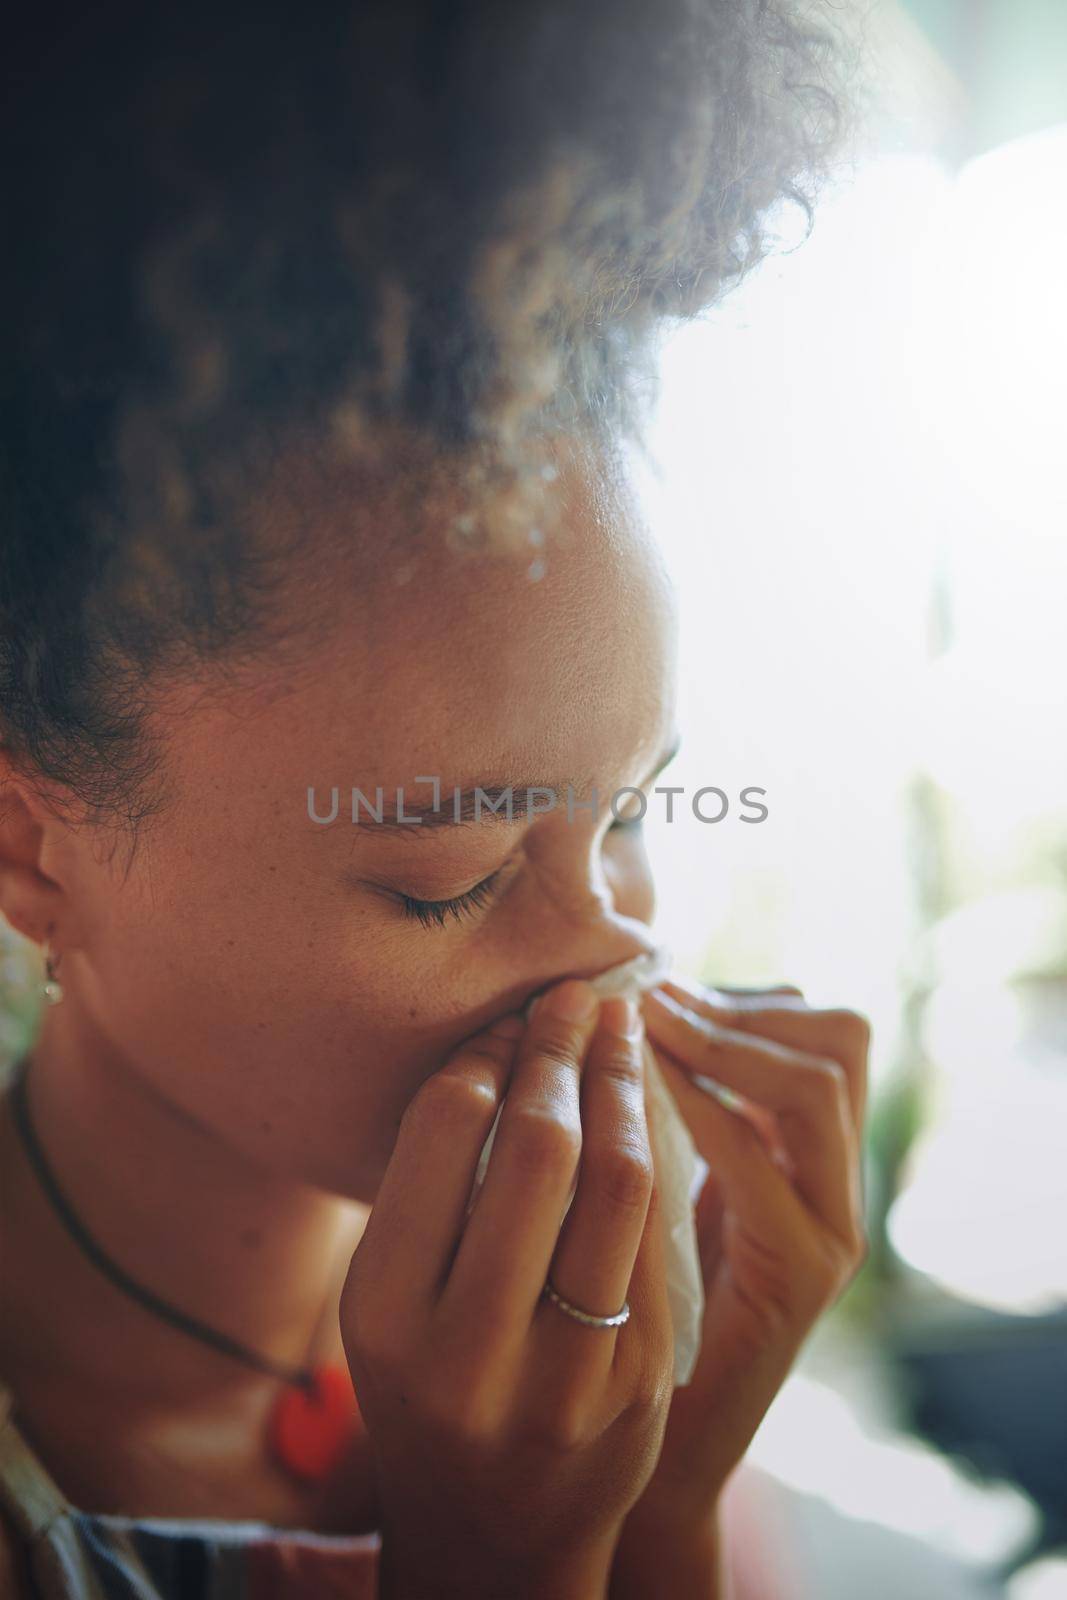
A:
x: 246, y: 1015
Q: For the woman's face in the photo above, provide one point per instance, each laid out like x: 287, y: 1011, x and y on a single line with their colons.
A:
x: 262, y: 971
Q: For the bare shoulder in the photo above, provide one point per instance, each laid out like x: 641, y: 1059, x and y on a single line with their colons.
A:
x: 14, y: 1581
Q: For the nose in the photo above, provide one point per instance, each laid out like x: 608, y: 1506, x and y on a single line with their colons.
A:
x: 582, y: 931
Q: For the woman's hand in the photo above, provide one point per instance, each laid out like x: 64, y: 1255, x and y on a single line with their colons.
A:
x: 780, y: 1225
x: 509, y: 1439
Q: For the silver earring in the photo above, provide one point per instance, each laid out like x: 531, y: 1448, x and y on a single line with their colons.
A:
x: 51, y: 988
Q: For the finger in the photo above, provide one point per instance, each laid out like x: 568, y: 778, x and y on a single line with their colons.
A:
x: 751, y: 991
x: 644, y: 1344
x: 726, y: 997
x: 418, y: 1213
x: 808, y: 1096
x: 747, y: 1180
x: 598, y: 1244
x: 504, y: 1255
x: 841, y: 1035
x: 709, y: 1211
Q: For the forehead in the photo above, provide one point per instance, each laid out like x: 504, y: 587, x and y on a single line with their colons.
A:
x: 539, y: 653
x: 553, y: 664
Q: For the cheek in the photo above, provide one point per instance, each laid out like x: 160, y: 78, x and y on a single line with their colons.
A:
x: 265, y: 1016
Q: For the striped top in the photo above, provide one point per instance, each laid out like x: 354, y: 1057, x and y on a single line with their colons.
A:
x: 77, y: 1555
x: 71, y: 1554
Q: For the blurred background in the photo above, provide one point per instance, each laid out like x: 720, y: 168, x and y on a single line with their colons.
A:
x: 859, y: 472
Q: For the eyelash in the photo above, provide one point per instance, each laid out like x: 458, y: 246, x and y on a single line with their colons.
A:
x: 435, y: 913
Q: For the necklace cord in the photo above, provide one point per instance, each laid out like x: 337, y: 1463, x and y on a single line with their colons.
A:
x: 301, y: 1377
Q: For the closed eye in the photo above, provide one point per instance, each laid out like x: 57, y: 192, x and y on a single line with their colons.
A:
x: 435, y: 913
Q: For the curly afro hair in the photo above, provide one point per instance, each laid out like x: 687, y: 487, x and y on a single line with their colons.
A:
x: 235, y: 227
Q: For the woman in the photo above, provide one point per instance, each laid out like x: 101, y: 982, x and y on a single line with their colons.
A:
x: 326, y: 333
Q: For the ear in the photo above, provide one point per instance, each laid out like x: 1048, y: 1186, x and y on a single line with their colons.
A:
x: 32, y: 902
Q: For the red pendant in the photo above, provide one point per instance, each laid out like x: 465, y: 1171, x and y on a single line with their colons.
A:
x: 310, y: 1431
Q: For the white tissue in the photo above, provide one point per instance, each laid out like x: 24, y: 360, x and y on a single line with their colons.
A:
x: 679, y: 1170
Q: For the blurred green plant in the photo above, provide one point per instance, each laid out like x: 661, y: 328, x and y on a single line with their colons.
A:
x: 20, y: 995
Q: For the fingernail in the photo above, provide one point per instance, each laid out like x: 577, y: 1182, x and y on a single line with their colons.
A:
x: 620, y: 1016
x: 573, y: 1001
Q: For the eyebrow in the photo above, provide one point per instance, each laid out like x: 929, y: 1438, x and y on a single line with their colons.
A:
x: 473, y: 804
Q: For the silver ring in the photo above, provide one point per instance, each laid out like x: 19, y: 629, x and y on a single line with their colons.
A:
x: 587, y: 1317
